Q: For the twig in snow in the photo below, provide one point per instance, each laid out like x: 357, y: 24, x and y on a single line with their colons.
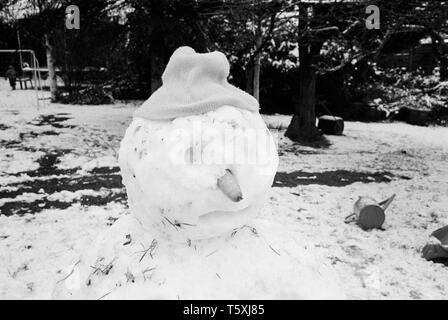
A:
x: 173, y: 224
x: 104, y: 269
x: 128, y: 240
x: 150, y: 249
x: 71, y: 272
x: 145, y: 271
x: 184, y: 224
x: 254, y: 231
x: 211, y: 253
x: 104, y: 295
x: 274, y: 250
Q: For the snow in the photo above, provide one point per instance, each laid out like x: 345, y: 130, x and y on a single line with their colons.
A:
x: 67, y: 196
x: 37, y: 248
x: 138, y: 267
x: 303, y: 219
x: 30, y: 197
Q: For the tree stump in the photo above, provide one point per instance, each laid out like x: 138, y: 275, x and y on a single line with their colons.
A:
x: 331, y: 125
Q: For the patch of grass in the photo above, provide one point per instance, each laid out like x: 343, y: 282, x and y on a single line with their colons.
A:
x: 337, y: 178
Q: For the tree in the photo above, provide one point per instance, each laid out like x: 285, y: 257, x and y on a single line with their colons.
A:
x: 243, y: 30
x: 47, y: 12
x: 156, y: 28
x: 44, y: 14
x: 98, y: 44
x: 332, y: 37
x: 433, y: 17
x: 246, y: 30
x: 318, y: 29
x: 42, y: 27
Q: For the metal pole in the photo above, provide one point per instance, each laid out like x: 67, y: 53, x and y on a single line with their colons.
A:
x: 39, y: 75
x: 20, y: 50
x: 33, y: 57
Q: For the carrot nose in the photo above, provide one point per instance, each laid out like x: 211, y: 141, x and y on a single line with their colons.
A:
x: 229, y: 185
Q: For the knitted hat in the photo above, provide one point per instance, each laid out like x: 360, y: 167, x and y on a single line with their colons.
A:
x: 194, y: 83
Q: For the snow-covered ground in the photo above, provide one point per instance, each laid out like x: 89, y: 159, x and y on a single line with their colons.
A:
x: 60, y: 187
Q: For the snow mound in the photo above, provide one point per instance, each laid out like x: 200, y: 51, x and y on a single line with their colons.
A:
x: 127, y: 262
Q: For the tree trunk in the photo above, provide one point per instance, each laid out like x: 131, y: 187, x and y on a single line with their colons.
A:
x: 156, y: 75
x: 439, y: 48
x: 257, y: 64
x: 444, y: 68
x: 256, y: 81
x: 249, y: 79
x: 303, y: 123
x: 51, y: 69
x: 157, y: 65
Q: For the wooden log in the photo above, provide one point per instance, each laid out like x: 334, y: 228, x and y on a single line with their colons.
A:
x: 415, y: 116
x: 331, y: 125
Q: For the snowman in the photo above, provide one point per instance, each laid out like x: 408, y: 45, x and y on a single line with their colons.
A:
x: 197, y: 156
x: 197, y: 162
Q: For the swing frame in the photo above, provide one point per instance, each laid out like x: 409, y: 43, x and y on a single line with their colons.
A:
x: 37, y: 77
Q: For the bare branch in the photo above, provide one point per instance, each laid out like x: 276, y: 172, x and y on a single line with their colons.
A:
x: 326, y: 32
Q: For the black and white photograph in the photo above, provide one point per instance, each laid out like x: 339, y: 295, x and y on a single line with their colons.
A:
x: 204, y: 150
